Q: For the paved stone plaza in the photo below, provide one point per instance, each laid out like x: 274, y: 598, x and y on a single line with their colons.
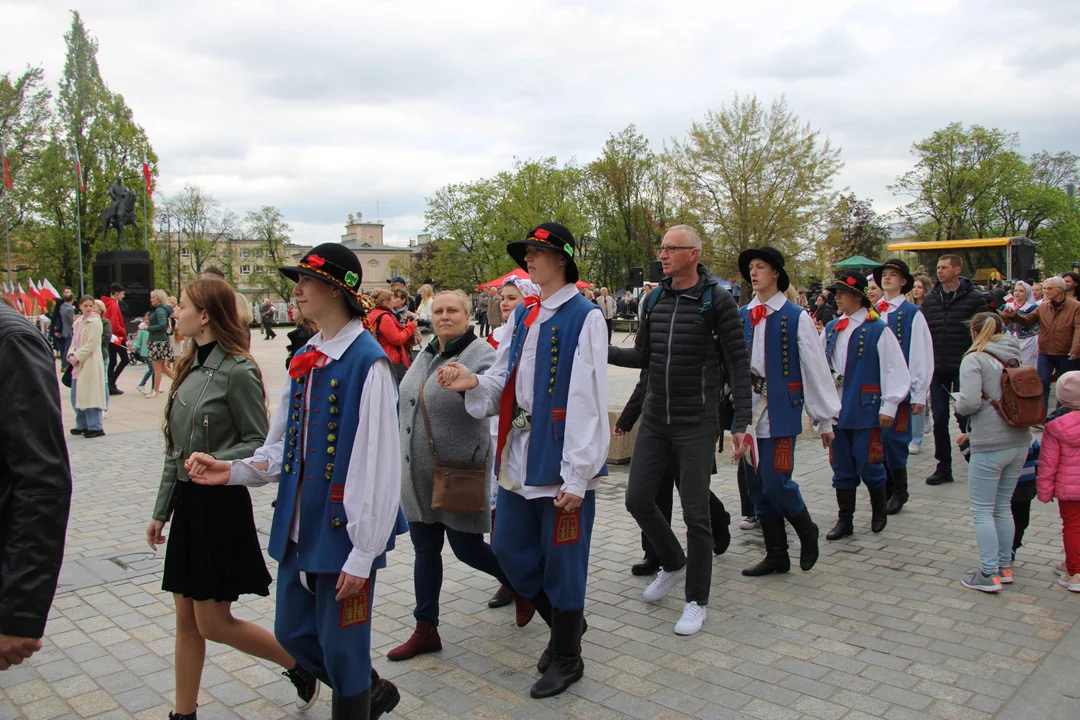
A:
x: 881, y: 628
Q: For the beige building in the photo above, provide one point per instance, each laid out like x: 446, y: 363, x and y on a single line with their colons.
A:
x: 366, y: 240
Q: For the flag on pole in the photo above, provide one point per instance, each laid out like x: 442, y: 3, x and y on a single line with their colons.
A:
x: 78, y: 170
x: 48, y: 292
x: 146, y: 174
x: 22, y: 300
x: 8, y: 293
x: 33, y: 290
x: 7, y: 170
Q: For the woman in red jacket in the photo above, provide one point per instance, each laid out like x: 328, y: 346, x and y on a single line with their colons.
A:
x: 394, y: 338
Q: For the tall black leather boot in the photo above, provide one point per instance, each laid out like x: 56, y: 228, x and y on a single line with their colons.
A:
x: 808, y: 538
x: 384, y: 696
x: 878, y: 504
x: 776, y: 554
x: 545, y: 611
x: 351, y: 707
x: 845, y: 523
x: 566, y: 666
x: 888, y: 483
x: 900, y: 492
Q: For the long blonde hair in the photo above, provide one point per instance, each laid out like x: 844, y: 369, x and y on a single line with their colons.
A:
x: 990, y: 327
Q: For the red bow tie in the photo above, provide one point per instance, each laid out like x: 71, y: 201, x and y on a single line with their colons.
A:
x: 841, y: 324
x: 757, y: 314
x: 302, y: 363
x: 882, y: 307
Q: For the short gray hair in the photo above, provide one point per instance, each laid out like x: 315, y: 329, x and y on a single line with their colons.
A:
x: 1055, y: 281
x: 691, y: 234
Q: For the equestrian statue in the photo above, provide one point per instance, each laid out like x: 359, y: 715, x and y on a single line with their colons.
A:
x: 121, y: 213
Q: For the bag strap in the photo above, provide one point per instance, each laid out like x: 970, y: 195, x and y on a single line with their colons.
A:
x: 427, y: 423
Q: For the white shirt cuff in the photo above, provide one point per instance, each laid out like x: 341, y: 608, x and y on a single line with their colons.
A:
x: 888, y: 408
x: 358, y: 564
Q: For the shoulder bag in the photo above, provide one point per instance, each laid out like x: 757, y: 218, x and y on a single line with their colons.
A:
x: 459, y: 487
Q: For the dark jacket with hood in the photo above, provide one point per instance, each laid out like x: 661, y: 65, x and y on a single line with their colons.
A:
x: 687, y: 368
x: 947, y: 318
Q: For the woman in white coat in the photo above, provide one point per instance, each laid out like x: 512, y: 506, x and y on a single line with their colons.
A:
x: 88, y: 371
x: 1024, y: 302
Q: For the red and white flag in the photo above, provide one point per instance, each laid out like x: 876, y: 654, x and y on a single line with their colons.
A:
x: 78, y: 170
x: 24, y: 300
x: 7, y: 170
x: 48, y: 292
x: 33, y: 290
x: 9, y: 293
x: 146, y: 174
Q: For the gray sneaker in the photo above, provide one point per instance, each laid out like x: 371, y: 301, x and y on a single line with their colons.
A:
x: 984, y: 583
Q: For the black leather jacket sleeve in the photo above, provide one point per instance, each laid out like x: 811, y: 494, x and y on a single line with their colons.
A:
x: 35, y: 479
x: 736, y: 359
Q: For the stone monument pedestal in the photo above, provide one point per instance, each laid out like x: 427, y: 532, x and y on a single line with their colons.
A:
x: 135, y: 271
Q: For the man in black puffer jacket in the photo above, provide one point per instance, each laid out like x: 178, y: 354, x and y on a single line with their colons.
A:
x: 947, y: 309
x: 685, y: 360
x: 35, y: 486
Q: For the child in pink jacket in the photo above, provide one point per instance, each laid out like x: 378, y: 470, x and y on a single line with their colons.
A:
x: 1059, y: 473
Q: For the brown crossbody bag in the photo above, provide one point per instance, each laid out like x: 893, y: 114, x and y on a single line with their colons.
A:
x: 459, y: 487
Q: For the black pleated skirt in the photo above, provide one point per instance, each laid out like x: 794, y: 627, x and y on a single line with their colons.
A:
x: 213, y: 548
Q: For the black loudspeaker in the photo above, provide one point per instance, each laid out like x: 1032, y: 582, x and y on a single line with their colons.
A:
x: 637, y: 277
x: 656, y: 271
x: 135, y: 271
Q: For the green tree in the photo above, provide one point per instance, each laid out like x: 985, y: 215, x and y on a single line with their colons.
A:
x: 754, y: 176
x: 268, y: 226
x: 854, y: 229
x: 462, y: 218
x: 24, y: 128
x: 958, y: 178
x: 204, y: 228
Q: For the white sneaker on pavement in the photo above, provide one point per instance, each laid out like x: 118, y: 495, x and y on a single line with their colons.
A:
x: 914, y: 449
x: 693, y: 615
x: 663, y: 584
x: 749, y: 522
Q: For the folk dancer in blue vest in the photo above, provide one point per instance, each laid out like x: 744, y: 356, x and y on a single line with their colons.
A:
x: 333, y: 450
x: 907, y: 323
x: 549, y: 388
x: 789, y: 374
x: 872, y: 379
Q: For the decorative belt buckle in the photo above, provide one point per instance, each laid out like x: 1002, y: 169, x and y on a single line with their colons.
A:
x: 839, y: 380
x: 760, y: 386
x: 522, y: 420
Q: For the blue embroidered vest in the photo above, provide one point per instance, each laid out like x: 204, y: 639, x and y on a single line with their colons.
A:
x: 783, y: 369
x: 900, y: 322
x: 319, y: 476
x: 557, y: 341
x: 860, y: 400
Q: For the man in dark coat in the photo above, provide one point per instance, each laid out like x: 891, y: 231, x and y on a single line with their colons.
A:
x: 35, y: 487
x: 947, y: 309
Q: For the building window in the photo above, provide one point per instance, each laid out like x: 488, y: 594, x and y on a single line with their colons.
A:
x: 258, y: 269
x: 244, y: 252
x: 184, y: 252
x: 245, y: 269
x: 270, y: 269
x: 258, y: 252
x: 373, y: 274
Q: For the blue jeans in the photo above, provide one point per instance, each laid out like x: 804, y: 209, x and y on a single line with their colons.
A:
x: 469, y: 548
x: 992, y: 479
x: 149, y: 374
x: 1053, y: 365
x: 918, y: 426
x: 87, y: 419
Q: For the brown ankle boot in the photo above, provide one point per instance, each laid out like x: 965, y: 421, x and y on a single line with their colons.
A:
x: 523, y: 610
x: 425, y: 639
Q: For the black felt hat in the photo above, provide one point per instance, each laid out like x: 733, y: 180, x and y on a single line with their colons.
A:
x: 770, y: 255
x: 550, y: 236
x: 901, y: 267
x: 854, y: 282
x: 333, y: 263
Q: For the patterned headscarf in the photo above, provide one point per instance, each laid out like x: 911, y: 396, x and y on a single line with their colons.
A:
x: 527, y: 288
x: 1029, y: 296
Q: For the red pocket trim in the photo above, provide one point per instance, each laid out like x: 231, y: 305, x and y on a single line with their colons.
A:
x: 558, y: 414
x: 871, y: 388
x: 337, y: 493
x: 794, y: 386
x: 354, y: 609
x: 567, y: 527
x: 783, y: 456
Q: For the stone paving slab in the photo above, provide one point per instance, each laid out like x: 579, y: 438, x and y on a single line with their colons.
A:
x: 881, y: 628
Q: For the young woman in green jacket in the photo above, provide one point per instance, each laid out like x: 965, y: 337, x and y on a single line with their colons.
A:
x: 217, y: 406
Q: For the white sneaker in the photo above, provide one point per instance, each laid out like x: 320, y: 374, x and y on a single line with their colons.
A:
x: 141, y: 389
x: 693, y: 615
x: 749, y: 523
x: 663, y: 584
x: 914, y: 448
x: 1060, y: 569
x: 1072, y: 582
x: 152, y: 394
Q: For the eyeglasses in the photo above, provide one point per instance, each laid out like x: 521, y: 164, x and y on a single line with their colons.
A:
x: 668, y: 249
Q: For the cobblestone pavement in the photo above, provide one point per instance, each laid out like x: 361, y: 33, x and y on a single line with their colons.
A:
x: 881, y: 628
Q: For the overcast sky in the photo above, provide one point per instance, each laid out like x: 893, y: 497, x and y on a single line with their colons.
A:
x: 325, y: 108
